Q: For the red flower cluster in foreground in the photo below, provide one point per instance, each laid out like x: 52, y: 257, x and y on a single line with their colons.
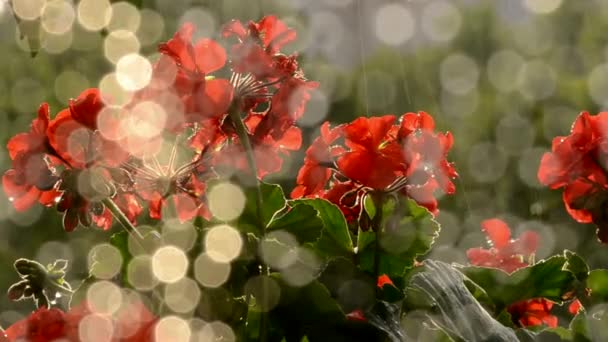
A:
x: 132, y: 323
x: 378, y: 154
x: 577, y: 163
x: 175, y: 134
x: 510, y: 255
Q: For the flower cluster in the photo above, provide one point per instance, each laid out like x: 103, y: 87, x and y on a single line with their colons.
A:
x: 132, y: 323
x: 378, y: 154
x: 510, y: 255
x: 577, y: 163
x: 194, y: 120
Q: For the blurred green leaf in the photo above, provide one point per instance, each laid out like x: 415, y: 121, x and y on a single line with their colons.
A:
x: 546, y: 279
x: 597, y: 282
x: 408, y: 231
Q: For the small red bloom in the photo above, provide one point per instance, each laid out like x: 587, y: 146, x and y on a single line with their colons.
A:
x: 315, y: 173
x: 133, y: 322
x: 510, y: 255
x: 533, y: 312
x: 384, y: 280
x: 356, y: 316
x: 574, y: 307
x: 506, y: 254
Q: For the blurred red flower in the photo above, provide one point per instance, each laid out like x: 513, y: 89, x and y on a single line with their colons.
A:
x: 510, y: 255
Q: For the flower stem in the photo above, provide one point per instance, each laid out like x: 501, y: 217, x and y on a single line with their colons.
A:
x: 121, y: 217
x: 241, y: 131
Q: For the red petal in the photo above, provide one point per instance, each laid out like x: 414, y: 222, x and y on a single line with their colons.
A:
x: 574, y: 307
x: 497, y: 231
x: 216, y: 98
x: 574, y: 192
x: 22, y: 143
x: 527, y: 243
x: 291, y: 140
x: 234, y: 27
x: 384, y: 280
x: 275, y: 34
x: 481, y: 257
x: 180, y: 47
x: 210, y: 56
x: 86, y: 107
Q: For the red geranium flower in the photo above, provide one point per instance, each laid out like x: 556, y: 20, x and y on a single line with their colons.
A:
x: 132, y: 323
x: 533, y: 312
x: 577, y: 163
x: 32, y: 178
x: 510, y: 255
x: 381, y: 155
x: 505, y: 253
x: 203, y: 97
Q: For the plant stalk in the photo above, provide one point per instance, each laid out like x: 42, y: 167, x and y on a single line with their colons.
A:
x: 241, y: 131
x: 121, y: 217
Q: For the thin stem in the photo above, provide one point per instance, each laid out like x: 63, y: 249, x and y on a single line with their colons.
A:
x: 121, y: 217
x: 378, y: 200
x: 241, y: 131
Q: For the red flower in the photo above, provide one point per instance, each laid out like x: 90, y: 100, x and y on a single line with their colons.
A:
x: 356, y: 316
x: 533, y: 312
x: 510, y: 255
x: 505, y: 253
x: 203, y: 97
x: 315, y: 173
x: 375, y: 159
x: 258, y: 45
x: 384, y: 280
x: 43, y: 325
x: 31, y: 178
x: 574, y: 307
x: 577, y: 164
x: 378, y: 155
x: 132, y: 323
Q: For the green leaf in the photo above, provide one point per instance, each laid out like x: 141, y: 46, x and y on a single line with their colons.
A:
x: 254, y: 219
x: 302, y: 221
x: 120, y: 240
x: 408, y: 231
x: 597, y: 281
x: 576, y: 265
x: 546, y: 279
x: 308, y: 305
x: 335, y: 239
x: 369, y: 206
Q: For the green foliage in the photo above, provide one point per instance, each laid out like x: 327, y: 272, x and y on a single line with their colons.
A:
x: 335, y: 238
x: 546, y: 279
x: 255, y: 219
x: 42, y: 284
x: 406, y: 231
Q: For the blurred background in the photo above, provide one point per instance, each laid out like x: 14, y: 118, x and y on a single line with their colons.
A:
x: 503, y: 76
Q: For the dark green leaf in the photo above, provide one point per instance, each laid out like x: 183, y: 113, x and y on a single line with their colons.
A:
x: 546, y: 279
x: 576, y: 265
x: 597, y: 282
x: 254, y: 219
x: 302, y: 221
x: 408, y: 231
x: 335, y: 239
